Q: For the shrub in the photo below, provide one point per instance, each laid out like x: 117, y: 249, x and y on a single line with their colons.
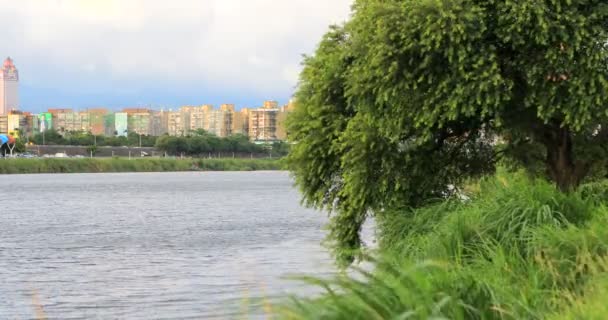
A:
x: 518, y: 249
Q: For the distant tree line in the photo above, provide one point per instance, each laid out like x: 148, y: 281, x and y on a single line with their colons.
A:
x: 202, y: 143
x: 195, y: 144
x: 80, y: 138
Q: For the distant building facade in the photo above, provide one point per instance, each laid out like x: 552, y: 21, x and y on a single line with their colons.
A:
x: 140, y: 123
x: 199, y: 117
x: 189, y: 119
x: 240, y: 122
x: 156, y: 124
x: 14, y: 123
x: 219, y: 122
x: 265, y: 124
x: 97, y: 121
x: 9, y: 87
x: 65, y: 122
x: 175, y: 125
x: 121, y: 124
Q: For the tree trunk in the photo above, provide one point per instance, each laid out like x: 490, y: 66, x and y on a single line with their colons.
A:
x: 562, y: 168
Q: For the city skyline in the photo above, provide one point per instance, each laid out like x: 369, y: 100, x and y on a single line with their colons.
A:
x: 9, y: 97
x: 264, y: 124
x: 115, y: 54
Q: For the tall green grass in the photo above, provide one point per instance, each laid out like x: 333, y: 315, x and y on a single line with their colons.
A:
x: 58, y: 165
x: 517, y: 249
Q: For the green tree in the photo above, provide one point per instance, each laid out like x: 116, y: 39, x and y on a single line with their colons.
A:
x: 49, y: 137
x: 201, y: 143
x: 281, y: 148
x: 92, y: 149
x: 404, y: 101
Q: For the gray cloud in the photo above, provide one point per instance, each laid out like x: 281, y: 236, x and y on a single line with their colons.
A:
x: 249, y: 45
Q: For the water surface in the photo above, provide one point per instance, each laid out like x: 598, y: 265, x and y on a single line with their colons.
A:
x: 152, y: 245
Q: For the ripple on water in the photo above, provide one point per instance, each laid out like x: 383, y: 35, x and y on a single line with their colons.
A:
x: 154, y: 245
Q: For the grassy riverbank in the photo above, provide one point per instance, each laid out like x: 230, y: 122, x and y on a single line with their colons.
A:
x: 518, y: 249
x: 87, y: 165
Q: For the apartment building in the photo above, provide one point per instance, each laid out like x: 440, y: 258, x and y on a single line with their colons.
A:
x: 65, y: 122
x: 175, y: 125
x: 157, y: 127
x: 198, y: 118
x: 220, y: 121
x: 32, y: 124
x: 192, y: 118
x: 14, y: 123
x: 140, y: 123
x: 97, y: 121
x: 240, y: 122
x: 267, y: 124
x: 185, y: 116
x: 263, y: 124
x: 282, y: 118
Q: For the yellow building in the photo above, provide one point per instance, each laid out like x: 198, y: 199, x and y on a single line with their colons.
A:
x: 16, y: 124
x: 281, y: 132
x: 198, y: 117
x: 263, y: 124
x: 267, y: 124
x: 185, y: 114
x: 240, y: 122
x: 282, y: 118
x: 270, y: 104
x: 219, y: 122
x: 224, y: 120
x: 215, y: 121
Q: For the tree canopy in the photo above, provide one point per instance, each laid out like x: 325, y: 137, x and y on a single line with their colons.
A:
x: 82, y: 138
x: 409, y: 97
x: 202, y: 143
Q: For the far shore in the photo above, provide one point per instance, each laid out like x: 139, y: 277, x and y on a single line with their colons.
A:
x: 101, y: 165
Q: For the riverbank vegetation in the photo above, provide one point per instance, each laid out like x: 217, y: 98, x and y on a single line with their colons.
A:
x: 196, y: 143
x: 201, y: 143
x: 83, y: 138
x: 516, y: 248
x: 98, y: 165
x: 408, y: 105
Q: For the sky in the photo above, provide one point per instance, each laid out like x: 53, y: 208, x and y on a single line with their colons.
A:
x: 161, y: 53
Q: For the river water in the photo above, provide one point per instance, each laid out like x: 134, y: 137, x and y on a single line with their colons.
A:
x: 153, y: 245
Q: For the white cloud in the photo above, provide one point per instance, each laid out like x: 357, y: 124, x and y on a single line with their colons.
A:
x: 251, y: 45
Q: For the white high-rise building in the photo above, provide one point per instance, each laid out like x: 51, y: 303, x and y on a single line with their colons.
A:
x: 9, y: 87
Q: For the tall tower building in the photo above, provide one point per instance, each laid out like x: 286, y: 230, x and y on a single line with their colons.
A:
x: 9, y: 87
